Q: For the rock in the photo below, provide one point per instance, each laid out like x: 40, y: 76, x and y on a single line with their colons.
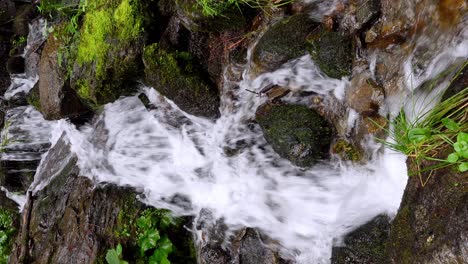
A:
x: 365, y: 244
x: 358, y: 15
x: 431, y: 225
x: 15, y: 65
x: 70, y: 220
x: 458, y: 83
x: 275, y: 93
x: 7, y: 11
x: 245, y: 246
x: 24, y: 14
x: 5, y: 80
x: 331, y: 51
x: 295, y: 132
x: 283, y: 41
x: 364, y: 95
x: 174, y: 75
x: 57, y: 99
x: 108, y: 57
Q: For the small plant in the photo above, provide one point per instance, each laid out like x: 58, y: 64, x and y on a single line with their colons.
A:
x: 426, y: 137
x: 114, y: 256
x: 154, y: 247
x: 6, y: 233
x: 212, y: 8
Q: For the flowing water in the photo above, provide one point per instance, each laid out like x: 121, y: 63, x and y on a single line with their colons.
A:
x: 186, y: 163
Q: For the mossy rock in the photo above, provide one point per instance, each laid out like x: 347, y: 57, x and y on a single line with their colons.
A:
x: 331, y: 51
x: 283, y: 41
x: 174, y: 75
x: 458, y: 82
x: 347, y: 151
x: 9, y: 224
x: 108, y: 54
x: 225, y: 15
x: 296, y: 132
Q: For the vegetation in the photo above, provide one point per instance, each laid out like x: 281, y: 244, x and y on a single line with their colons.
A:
x: 425, y: 138
x: 7, y: 230
x: 213, y: 8
x: 153, y: 244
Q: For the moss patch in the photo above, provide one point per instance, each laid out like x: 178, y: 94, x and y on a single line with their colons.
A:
x: 347, y: 151
x: 7, y: 233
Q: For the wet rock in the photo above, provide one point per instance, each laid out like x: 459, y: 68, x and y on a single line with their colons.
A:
x: 347, y: 151
x: 458, y: 83
x: 431, y: 225
x: 358, y: 14
x: 295, y: 132
x: 174, y: 75
x: 57, y: 99
x: 365, y: 244
x: 364, y: 95
x: 15, y: 65
x: 5, y: 80
x: 71, y: 220
x: 7, y: 11
x: 24, y: 14
x: 246, y: 246
x: 331, y: 51
x: 283, y: 41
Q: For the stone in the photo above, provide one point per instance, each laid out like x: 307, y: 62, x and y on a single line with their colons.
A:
x: 296, y: 132
x: 57, y: 99
x: 283, y: 41
x: 364, y: 95
x: 359, y: 14
x: 458, y: 83
x: 331, y: 51
x: 174, y: 75
x: 15, y: 65
x: 366, y: 244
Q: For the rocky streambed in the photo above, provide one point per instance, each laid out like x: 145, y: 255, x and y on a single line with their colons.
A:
x: 182, y: 132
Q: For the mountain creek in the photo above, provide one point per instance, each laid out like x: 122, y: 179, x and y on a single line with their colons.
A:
x: 234, y: 131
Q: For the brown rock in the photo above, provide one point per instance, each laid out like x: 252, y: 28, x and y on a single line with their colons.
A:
x: 57, y: 99
x: 364, y: 95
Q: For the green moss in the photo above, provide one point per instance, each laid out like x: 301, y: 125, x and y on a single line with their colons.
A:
x: 34, y: 99
x: 401, y: 237
x: 7, y: 232
x: 346, y: 150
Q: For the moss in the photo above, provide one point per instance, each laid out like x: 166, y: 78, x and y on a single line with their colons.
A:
x: 7, y: 234
x: 33, y: 98
x: 347, y: 151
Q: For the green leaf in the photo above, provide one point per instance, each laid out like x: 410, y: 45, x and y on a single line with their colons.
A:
x: 450, y: 124
x: 462, y: 136
x: 463, y: 167
x: 418, y: 135
x: 461, y: 147
x: 166, y: 245
x: 452, y: 158
x: 112, y: 257
x: 149, y: 240
x: 144, y: 222
x: 119, y: 249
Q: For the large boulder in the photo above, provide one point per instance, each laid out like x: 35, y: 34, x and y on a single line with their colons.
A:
x: 331, y: 51
x: 296, y: 132
x: 283, y: 41
x: 174, y: 75
x: 72, y: 220
x: 365, y: 244
x: 431, y: 225
x: 57, y: 99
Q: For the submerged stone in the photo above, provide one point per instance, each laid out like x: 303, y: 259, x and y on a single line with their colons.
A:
x: 296, y: 132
